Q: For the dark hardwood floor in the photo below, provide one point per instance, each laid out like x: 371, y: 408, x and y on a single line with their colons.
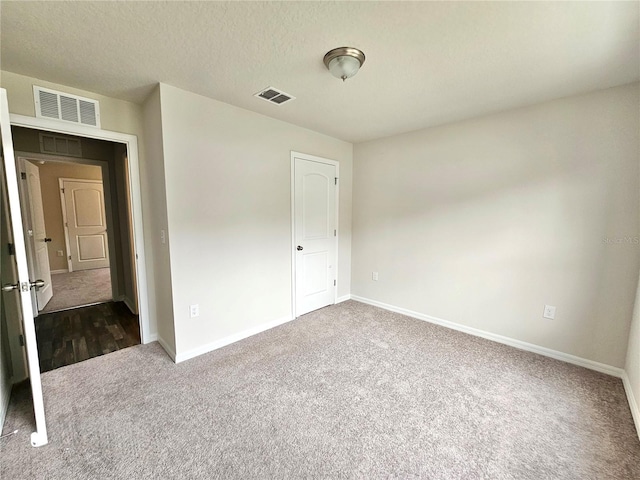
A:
x: 75, y: 335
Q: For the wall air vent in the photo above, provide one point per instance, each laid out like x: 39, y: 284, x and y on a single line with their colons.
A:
x: 59, y: 145
x: 66, y: 107
x: 273, y: 95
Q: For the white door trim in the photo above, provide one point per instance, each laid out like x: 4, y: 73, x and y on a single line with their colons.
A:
x: 67, y: 244
x: 311, y: 158
x: 131, y: 141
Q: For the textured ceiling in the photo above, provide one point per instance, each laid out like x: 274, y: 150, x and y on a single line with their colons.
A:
x: 427, y: 63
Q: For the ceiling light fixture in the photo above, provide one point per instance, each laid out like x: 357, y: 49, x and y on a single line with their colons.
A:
x: 344, y: 62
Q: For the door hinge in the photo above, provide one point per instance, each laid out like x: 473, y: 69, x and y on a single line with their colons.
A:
x: 336, y: 181
x: 23, y: 175
x: 335, y: 234
x: 21, y: 339
x: 62, y: 190
x: 12, y: 248
x: 334, y: 283
x: 69, y: 257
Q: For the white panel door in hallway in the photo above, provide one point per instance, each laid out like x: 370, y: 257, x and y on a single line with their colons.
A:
x: 315, y: 230
x: 86, y: 224
x: 36, y: 233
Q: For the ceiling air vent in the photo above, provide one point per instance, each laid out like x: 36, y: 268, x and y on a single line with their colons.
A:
x: 67, y: 107
x: 273, y: 95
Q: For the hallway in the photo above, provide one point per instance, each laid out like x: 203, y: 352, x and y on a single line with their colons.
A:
x: 75, y: 289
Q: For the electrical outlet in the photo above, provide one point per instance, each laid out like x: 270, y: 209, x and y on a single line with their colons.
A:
x: 194, y: 310
x: 549, y: 312
x: 374, y: 276
x: 60, y: 253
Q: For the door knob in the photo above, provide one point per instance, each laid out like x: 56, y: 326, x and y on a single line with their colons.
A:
x: 47, y: 239
x: 8, y: 287
x: 38, y: 284
x: 299, y: 248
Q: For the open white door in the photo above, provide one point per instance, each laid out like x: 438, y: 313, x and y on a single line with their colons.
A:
x: 315, y: 230
x: 33, y: 222
x: 24, y: 284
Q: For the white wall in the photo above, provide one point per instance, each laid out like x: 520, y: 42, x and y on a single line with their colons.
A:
x: 159, y: 270
x: 227, y: 173
x: 115, y: 115
x: 482, y: 222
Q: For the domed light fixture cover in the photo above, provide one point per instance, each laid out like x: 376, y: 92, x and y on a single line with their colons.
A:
x: 344, y: 62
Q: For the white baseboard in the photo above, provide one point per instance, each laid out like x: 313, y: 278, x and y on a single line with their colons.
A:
x: 152, y: 337
x: 223, y: 342
x: 512, y: 342
x: 63, y: 270
x: 344, y: 298
x: 166, y: 347
x: 633, y: 404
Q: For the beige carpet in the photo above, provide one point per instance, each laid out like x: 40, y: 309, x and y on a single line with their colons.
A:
x: 349, y: 391
x: 79, y: 288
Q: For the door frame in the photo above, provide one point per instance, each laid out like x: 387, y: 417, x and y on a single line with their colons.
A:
x: 311, y: 158
x: 65, y: 226
x: 133, y: 165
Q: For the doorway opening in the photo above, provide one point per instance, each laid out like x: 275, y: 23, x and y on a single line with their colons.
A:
x: 77, y: 216
x: 18, y: 325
